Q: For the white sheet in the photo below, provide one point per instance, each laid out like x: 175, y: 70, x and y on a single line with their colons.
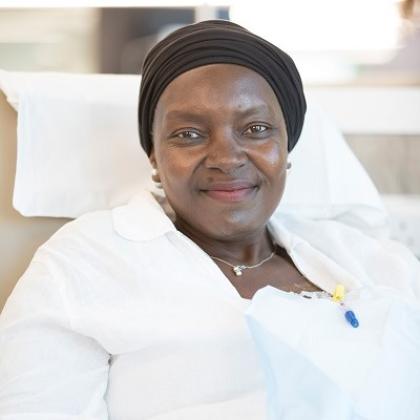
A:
x: 318, y: 367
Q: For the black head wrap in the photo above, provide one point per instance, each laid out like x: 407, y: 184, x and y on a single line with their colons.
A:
x: 213, y: 42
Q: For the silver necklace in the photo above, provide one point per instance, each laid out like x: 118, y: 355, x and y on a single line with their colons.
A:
x: 237, y: 269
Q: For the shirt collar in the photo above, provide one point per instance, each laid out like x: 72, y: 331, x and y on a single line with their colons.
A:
x: 141, y: 219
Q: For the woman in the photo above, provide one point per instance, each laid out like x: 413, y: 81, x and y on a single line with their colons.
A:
x: 221, y: 153
x: 125, y: 315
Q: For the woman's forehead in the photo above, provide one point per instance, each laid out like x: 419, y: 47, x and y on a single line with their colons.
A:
x: 212, y: 86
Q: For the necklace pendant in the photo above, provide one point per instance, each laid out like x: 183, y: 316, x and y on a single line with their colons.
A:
x: 237, y: 269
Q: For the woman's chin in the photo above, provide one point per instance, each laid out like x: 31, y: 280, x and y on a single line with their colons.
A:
x: 233, y: 226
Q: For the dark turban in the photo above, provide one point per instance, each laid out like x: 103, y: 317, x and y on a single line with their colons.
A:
x: 219, y: 41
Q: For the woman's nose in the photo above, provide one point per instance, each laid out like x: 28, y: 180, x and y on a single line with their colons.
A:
x: 225, y: 152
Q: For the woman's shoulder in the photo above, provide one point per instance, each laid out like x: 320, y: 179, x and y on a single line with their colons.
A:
x: 334, y: 236
x: 138, y: 220
x: 93, y: 253
x: 98, y: 246
x: 81, y: 233
x: 374, y: 260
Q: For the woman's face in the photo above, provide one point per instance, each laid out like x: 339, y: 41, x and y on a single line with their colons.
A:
x: 220, y: 147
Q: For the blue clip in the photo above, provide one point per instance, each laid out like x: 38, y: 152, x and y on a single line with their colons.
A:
x: 350, y: 316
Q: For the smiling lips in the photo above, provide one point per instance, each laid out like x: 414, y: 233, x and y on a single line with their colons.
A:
x: 230, y: 191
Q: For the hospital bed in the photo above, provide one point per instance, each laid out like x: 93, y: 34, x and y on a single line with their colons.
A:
x: 68, y: 145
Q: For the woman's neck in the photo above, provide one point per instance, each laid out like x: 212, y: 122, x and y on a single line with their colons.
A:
x: 247, y: 249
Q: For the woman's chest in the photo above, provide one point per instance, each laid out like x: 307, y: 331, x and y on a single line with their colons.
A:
x: 180, y: 354
x: 175, y: 341
x: 184, y: 372
x: 280, y: 273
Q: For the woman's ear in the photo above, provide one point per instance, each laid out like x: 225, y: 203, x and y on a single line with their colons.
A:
x: 152, y: 159
x: 155, y: 172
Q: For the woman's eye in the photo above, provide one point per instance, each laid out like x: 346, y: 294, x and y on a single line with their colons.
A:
x: 187, y: 134
x: 256, y: 129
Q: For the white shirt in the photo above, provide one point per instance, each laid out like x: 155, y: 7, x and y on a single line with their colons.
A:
x: 121, y: 316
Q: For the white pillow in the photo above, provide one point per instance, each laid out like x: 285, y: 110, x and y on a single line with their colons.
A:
x: 327, y: 181
x: 78, y: 151
x: 78, y: 147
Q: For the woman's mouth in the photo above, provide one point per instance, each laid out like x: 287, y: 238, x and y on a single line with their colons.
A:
x: 234, y: 191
